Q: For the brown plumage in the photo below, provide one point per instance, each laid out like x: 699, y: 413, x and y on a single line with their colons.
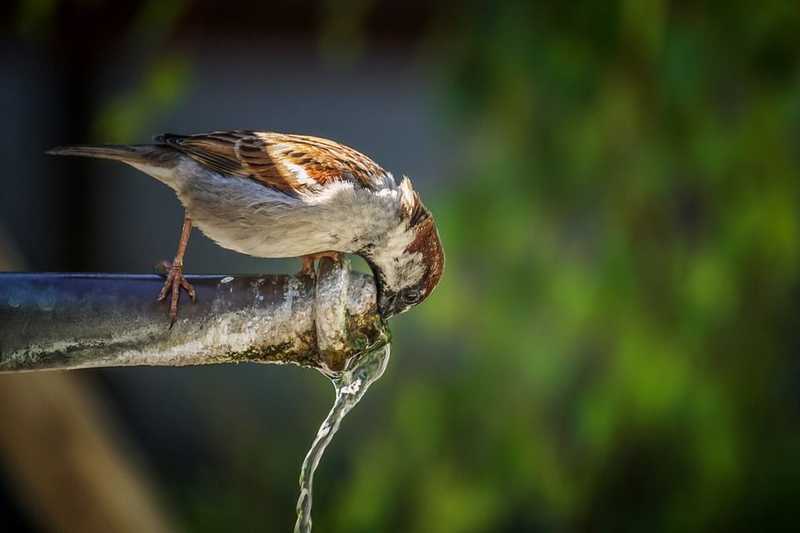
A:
x: 275, y: 158
x: 426, y: 242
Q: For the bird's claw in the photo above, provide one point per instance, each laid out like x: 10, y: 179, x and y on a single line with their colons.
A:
x: 172, y: 286
x: 308, y: 268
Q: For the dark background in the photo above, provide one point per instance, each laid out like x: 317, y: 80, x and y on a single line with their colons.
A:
x: 614, y: 345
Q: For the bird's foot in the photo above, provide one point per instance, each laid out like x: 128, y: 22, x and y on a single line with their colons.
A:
x: 309, y: 260
x: 172, y: 286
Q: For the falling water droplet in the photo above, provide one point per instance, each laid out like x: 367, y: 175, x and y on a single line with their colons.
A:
x: 350, y: 386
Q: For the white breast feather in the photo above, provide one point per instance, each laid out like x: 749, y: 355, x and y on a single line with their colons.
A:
x: 243, y: 215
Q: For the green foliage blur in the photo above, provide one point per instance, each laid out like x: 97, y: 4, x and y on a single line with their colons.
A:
x: 622, y: 279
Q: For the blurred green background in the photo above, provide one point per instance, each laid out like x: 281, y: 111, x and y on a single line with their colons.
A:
x: 614, y: 346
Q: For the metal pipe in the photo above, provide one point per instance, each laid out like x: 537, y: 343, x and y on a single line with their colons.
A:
x: 69, y: 321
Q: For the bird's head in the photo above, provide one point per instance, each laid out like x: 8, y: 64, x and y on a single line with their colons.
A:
x: 409, y: 263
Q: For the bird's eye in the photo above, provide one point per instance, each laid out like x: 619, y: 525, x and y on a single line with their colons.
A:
x: 411, y: 296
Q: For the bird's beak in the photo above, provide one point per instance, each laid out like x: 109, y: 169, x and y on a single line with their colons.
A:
x: 386, y: 298
x: 386, y: 301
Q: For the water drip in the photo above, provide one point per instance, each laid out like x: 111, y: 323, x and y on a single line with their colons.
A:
x: 350, y: 386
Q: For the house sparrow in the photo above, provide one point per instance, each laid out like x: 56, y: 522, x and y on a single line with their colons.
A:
x: 279, y: 195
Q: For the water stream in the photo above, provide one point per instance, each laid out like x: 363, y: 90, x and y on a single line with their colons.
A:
x: 350, y: 387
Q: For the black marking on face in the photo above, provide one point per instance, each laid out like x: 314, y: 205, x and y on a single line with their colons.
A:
x: 419, y: 215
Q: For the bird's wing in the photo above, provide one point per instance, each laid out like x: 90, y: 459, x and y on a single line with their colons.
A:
x: 289, y: 163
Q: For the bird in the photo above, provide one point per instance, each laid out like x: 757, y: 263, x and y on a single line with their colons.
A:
x: 272, y: 195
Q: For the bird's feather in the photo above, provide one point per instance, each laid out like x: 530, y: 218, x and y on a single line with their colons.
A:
x: 289, y: 163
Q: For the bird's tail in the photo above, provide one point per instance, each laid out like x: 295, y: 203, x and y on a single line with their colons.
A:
x: 129, y: 153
